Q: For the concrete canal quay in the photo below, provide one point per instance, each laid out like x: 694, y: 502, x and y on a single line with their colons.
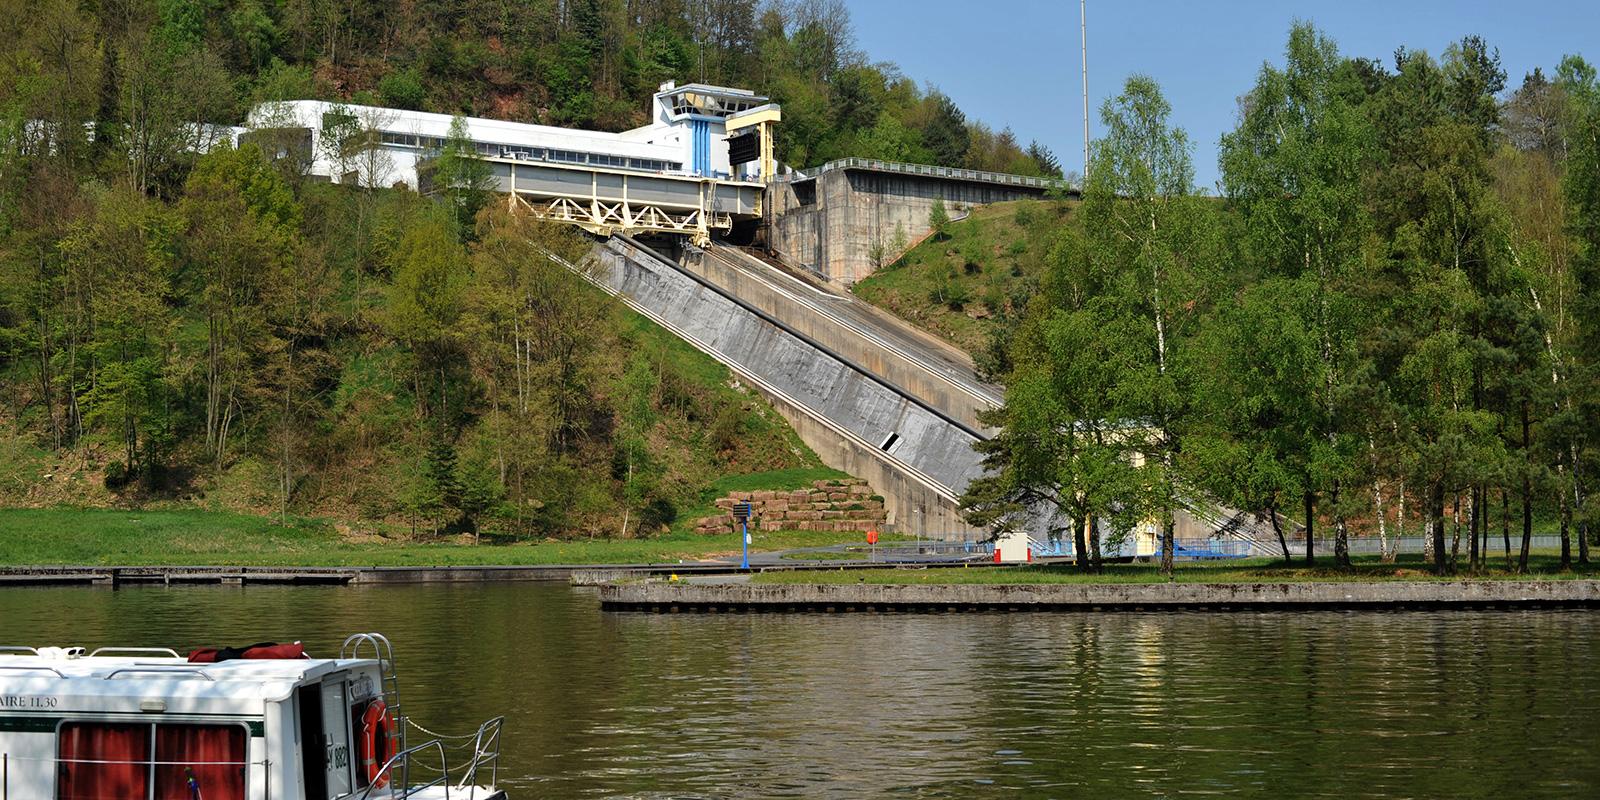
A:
x: 282, y: 576
x: 578, y: 574
x: 1376, y: 595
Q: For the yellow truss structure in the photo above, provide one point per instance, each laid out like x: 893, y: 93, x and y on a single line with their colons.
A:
x: 606, y: 218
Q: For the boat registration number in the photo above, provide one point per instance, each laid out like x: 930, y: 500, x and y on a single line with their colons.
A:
x: 27, y: 701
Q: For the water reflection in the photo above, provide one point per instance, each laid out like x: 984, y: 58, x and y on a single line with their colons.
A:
x: 1050, y: 705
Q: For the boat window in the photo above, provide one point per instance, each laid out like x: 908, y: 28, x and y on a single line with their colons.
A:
x: 102, y: 761
x: 106, y: 761
x: 200, y: 761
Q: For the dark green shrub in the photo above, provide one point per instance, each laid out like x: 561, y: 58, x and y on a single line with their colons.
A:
x: 117, y: 476
x: 657, y: 514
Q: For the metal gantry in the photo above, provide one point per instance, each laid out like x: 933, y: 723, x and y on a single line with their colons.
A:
x: 607, y: 202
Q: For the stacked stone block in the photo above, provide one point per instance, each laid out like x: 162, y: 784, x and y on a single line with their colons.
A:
x: 845, y: 504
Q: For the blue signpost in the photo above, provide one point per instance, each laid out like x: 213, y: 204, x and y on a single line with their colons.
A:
x: 741, y: 512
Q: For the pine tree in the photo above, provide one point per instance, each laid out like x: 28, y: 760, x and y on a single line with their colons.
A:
x: 441, y: 483
x: 946, y: 135
x: 1044, y: 161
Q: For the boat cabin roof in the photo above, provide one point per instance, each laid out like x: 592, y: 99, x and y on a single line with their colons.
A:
x: 23, y: 677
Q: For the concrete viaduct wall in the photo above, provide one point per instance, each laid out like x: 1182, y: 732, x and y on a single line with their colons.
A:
x: 829, y: 223
x: 918, y: 458
x: 926, y: 369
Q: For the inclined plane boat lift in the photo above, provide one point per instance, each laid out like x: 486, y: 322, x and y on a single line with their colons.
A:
x: 265, y: 722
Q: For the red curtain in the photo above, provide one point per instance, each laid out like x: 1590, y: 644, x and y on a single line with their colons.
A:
x: 126, y: 745
x: 209, y: 762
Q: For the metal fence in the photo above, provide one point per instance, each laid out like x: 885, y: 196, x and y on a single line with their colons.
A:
x: 1205, y: 549
x: 929, y: 170
x: 1195, y: 549
x: 1370, y: 545
x: 931, y: 548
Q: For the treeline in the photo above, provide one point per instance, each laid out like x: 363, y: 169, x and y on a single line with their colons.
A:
x: 1389, y: 321
x: 123, y: 84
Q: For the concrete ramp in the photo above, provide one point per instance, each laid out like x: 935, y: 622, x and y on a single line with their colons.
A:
x: 916, y: 362
x: 917, y: 456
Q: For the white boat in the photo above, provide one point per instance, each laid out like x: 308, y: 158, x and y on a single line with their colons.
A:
x: 150, y: 724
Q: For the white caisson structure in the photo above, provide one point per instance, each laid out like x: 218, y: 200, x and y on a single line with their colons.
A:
x: 673, y: 175
x: 147, y: 724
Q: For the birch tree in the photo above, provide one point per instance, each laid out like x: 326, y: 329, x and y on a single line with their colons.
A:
x: 1293, y: 168
x: 1156, y: 243
x: 1060, y: 454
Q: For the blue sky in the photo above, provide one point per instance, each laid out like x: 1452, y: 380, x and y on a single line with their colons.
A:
x: 1016, y: 62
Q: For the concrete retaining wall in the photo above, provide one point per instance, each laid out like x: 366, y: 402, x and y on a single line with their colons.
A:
x: 918, y: 459
x: 931, y: 371
x: 830, y: 223
x: 910, y: 505
x: 1145, y: 596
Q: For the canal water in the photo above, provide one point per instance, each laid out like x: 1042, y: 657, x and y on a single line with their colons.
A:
x: 1291, y: 704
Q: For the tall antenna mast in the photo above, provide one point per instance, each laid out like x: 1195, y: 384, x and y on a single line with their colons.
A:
x: 1083, y: 30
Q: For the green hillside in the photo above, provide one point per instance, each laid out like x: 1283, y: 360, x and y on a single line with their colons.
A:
x: 970, y: 284
x: 323, y: 351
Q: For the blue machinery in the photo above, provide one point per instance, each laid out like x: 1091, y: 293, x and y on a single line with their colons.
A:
x: 700, y: 129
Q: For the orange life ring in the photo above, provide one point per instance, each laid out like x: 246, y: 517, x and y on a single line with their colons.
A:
x: 374, y: 743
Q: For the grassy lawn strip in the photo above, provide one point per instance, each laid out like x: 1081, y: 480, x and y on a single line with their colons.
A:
x: 71, y: 536
x: 825, y: 555
x: 796, y: 478
x: 1542, y: 566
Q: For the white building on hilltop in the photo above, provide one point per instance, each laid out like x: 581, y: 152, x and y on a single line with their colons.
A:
x: 686, y: 136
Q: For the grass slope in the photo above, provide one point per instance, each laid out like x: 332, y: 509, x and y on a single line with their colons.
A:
x: 959, y: 286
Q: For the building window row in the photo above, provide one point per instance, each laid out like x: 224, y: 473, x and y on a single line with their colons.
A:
x: 527, y: 153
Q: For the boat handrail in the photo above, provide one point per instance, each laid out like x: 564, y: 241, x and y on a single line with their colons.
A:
x: 32, y: 668
x: 162, y: 650
x: 402, y: 759
x: 184, y: 671
x: 485, y: 752
x: 6, y: 758
x: 382, y: 649
x: 389, y: 679
x: 18, y: 648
